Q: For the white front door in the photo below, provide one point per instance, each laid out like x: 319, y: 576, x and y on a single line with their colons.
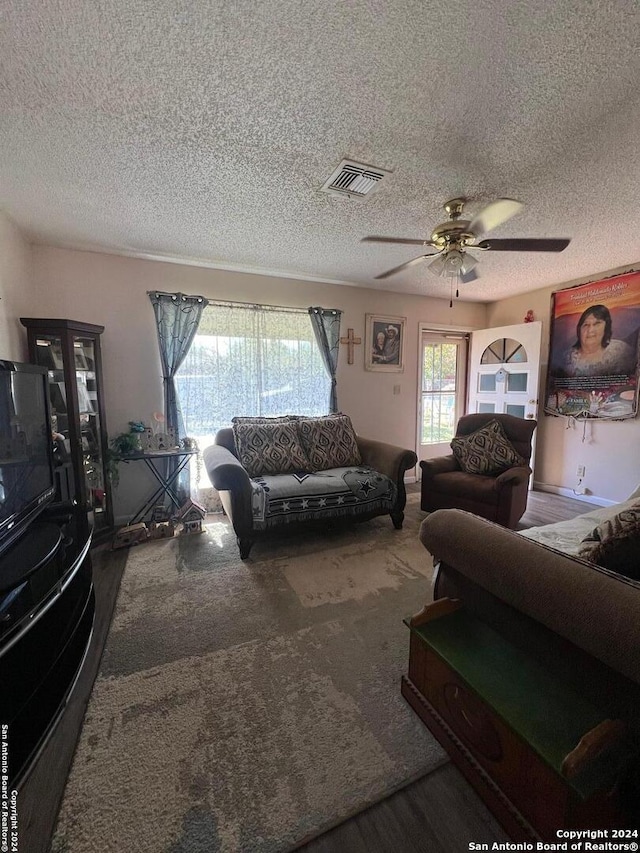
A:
x: 504, y: 372
x: 443, y: 367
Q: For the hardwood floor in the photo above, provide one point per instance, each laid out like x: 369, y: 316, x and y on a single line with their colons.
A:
x: 545, y: 508
x: 439, y: 813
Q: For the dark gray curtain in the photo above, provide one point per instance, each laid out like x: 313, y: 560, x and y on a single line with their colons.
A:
x: 177, y: 320
x: 326, y: 328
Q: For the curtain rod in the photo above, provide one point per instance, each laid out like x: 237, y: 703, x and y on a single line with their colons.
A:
x: 236, y: 304
x: 177, y: 293
x: 228, y: 303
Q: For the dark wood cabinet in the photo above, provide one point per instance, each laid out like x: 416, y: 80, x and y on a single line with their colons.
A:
x: 70, y: 351
x: 543, y: 756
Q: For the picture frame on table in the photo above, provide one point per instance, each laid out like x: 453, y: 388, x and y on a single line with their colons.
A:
x: 384, y: 343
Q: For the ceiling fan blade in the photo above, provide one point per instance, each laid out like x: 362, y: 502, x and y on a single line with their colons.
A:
x: 494, y: 214
x: 468, y: 277
x: 405, y: 265
x: 404, y: 240
x: 524, y: 245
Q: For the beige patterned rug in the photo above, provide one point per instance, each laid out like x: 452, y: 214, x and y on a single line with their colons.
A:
x: 246, y: 706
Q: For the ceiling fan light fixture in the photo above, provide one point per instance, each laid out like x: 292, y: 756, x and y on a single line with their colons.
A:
x: 452, y: 237
x: 453, y: 264
x: 468, y: 263
x: 437, y: 267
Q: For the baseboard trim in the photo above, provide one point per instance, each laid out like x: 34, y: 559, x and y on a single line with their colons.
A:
x: 569, y: 493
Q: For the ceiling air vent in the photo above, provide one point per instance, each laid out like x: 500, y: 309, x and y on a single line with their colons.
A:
x: 353, y: 180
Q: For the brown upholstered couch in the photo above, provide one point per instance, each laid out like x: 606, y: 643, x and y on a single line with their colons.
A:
x: 580, y: 620
x: 576, y: 620
x: 240, y: 493
x: 507, y: 576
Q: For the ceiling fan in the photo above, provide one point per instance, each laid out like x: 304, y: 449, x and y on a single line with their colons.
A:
x: 452, y: 238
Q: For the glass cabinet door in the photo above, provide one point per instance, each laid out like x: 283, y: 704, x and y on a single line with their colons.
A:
x: 90, y: 427
x: 75, y: 419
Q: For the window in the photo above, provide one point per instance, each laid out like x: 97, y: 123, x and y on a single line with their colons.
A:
x: 439, y: 372
x: 516, y: 411
x: 517, y: 382
x: 487, y: 382
x: 250, y: 360
x: 504, y: 351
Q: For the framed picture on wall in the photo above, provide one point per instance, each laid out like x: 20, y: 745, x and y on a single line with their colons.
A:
x: 594, y: 357
x: 384, y: 343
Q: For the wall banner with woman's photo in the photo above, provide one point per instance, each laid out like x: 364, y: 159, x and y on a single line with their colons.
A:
x: 594, y: 354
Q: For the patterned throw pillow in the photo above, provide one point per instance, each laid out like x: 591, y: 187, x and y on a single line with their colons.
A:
x: 257, y: 419
x: 486, y: 451
x: 329, y: 442
x: 270, y: 448
x: 615, y: 544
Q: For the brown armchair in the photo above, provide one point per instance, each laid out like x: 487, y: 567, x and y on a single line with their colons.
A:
x: 501, y: 498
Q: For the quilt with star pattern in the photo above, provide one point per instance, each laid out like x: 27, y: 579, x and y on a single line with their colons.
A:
x: 282, y: 498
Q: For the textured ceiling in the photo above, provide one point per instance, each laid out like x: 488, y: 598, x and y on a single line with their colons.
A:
x: 203, y: 130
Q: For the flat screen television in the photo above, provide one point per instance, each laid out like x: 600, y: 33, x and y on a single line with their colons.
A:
x: 27, y: 482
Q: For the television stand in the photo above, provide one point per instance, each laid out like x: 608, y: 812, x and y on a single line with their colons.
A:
x: 47, y: 606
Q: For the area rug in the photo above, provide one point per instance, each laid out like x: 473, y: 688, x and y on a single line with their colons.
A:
x: 246, y: 706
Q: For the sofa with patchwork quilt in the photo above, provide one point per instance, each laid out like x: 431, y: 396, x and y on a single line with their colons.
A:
x: 580, y: 578
x: 272, y: 472
x: 567, y: 596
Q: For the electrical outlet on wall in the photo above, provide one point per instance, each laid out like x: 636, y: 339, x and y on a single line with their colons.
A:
x: 580, y: 471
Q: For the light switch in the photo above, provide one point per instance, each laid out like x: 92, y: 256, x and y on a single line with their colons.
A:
x: 396, y: 389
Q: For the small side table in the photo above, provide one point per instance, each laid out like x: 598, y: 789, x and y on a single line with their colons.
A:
x: 166, y: 478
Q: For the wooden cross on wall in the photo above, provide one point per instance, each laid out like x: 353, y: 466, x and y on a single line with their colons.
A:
x: 350, y: 341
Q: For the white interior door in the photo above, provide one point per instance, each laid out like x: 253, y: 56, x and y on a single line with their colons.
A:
x: 443, y: 368
x: 504, y: 370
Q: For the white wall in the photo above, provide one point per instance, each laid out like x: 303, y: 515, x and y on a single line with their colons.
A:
x: 112, y: 291
x: 611, y: 453
x: 16, y: 290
